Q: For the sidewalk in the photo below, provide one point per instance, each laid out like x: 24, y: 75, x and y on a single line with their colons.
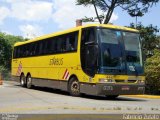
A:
x: 144, y: 96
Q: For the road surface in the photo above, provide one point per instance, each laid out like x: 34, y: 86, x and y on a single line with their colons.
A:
x: 18, y: 100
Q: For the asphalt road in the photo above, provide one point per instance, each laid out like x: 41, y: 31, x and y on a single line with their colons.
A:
x: 18, y: 100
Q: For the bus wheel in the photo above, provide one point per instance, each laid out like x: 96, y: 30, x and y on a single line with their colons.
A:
x: 29, y: 82
x: 22, y: 80
x: 112, y: 96
x: 74, y: 87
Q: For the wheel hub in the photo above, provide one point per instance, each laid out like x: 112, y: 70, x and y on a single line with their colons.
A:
x: 75, y: 86
x: 29, y: 80
x: 22, y: 81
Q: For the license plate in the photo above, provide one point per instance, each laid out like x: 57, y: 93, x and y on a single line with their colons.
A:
x: 125, y: 88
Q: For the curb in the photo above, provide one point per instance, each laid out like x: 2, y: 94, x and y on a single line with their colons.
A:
x: 143, y: 96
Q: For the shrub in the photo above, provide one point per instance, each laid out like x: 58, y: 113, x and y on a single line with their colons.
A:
x: 152, y: 71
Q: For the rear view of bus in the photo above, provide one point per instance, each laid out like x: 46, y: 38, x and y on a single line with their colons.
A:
x: 113, y: 58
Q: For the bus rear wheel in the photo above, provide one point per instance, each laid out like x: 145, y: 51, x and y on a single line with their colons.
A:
x: 74, y: 87
x: 22, y: 81
x: 29, y: 82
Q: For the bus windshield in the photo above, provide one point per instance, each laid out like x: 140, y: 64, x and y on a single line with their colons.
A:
x: 132, y: 47
x: 133, y: 52
x: 111, y: 53
x: 120, y: 52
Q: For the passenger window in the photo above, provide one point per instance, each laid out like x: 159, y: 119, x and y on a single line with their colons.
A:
x: 63, y: 44
x: 18, y: 52
x: 68, y: 45
x: 49, y: 46
x: 72, y: 41
x: 14, y: 52
x: 40, y: 52
x: 59, y: 42
x: 32, y: 49
x: 54, y: 46
x: 45, y: 45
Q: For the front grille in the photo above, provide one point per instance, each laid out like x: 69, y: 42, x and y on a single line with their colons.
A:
x: 125, y: 81
x: 132, y: 81
x: 119, y: 81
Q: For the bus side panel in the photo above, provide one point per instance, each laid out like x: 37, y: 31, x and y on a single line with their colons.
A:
x: 16, y: 67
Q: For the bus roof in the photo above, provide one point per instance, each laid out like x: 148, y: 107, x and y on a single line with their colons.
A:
x: 74, y: 29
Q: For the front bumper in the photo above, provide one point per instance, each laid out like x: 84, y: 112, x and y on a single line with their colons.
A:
x: 113, y: 89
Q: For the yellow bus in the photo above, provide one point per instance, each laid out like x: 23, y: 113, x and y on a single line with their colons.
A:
x: 94, y: 59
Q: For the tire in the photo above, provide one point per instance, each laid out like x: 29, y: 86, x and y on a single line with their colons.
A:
x: 22, y: 81
x: 29, y: 82
x: 112, y: 96
x: 74, y: 87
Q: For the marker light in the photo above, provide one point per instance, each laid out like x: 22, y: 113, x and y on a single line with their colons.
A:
x: 104, y: 80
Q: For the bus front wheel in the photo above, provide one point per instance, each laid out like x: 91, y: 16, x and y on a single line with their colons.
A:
x: 22, y: 80
x: 29, y: 81
x: 74, y: 87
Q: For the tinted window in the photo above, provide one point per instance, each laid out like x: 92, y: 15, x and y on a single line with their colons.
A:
x: 59, y: 44
x: 32, y: 49
x: 51, y: 46
x: 89, y: 51
x: 72, y: 41
x: 111, y: 51
x: 15, y: 52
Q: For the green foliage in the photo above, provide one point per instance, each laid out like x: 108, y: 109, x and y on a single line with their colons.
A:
x: 149, y: 38
x: 11, y: 39
x: 5, y: 52
x: 151, y: 48
x: 84, y: 2
x: 2, y: 69
x: 152, y: 71
x: 158, y: 39
x: 135, y: 8
x: 92, y: 19
x: 6, y: 47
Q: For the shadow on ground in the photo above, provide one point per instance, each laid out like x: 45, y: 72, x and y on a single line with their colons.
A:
x: 56, y: 91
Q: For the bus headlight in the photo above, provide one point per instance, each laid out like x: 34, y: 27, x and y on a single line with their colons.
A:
x: 141, y: 82
x: 104, y: 80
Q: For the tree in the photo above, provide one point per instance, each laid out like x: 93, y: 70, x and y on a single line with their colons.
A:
x: 152, y: 71
x: 151, y: 48
x: 150, y: 40
x: 133, y: 7
x: 158, y: 46
x: 6, y: 47
x: 11, y: 39
x: 5, y: 53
